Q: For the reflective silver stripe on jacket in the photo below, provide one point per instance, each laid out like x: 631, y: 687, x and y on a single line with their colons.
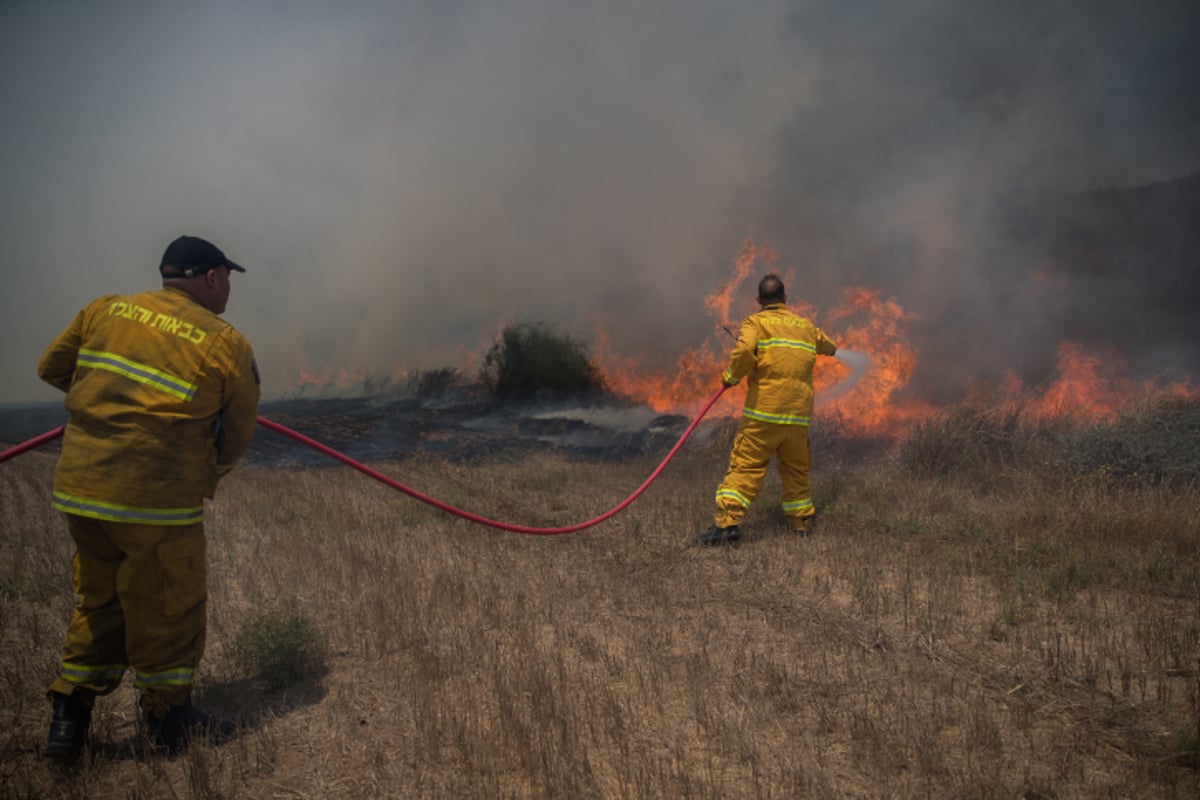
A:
x: 796, y: 343
x: 142, y: 373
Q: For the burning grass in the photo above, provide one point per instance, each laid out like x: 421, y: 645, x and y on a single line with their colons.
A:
x: 986, y: 614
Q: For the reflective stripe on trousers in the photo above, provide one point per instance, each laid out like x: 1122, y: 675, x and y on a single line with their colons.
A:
x: 142, y: 603
x: 755, y: 443
x: 114, y: 512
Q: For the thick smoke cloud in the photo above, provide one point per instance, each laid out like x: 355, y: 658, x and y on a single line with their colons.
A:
x: 402, y: 178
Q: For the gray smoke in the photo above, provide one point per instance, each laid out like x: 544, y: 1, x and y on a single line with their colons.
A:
x: 402, y: 178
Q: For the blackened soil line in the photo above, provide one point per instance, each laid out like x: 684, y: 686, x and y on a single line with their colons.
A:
x: 413, y: 493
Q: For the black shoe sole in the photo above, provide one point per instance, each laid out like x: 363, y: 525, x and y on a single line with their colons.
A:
x: 65, y: 754
x: 706, y: 541
x: 67, y: 739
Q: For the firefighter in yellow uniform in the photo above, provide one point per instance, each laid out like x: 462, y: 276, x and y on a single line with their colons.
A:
x: 777, y: 350
x: 163, y: 399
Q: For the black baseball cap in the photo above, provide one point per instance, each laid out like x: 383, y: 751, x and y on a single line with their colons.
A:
x: 189, y: 256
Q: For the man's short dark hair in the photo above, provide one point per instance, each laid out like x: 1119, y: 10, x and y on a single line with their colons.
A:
x: 770, y: 289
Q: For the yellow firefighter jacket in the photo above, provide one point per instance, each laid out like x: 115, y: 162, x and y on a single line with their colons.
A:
x: 777, y: 349
x: 163, y: 398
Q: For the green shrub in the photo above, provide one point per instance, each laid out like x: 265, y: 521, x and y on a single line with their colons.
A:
x: 279, y: 647
x: 531, y: 359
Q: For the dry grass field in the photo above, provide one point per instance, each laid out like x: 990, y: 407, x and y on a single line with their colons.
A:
x: 1001, y: 628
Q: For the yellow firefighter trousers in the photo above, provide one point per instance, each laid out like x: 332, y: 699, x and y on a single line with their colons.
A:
x: 753, y: 446
x: 142, y: 604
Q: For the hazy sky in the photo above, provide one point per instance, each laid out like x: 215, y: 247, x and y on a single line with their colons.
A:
x: 400, y: 178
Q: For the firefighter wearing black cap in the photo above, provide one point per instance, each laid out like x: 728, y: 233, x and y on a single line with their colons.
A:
x: 163, y: 398
x: 777, y: 350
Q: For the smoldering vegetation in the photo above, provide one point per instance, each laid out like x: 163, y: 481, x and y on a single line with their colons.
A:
x: 1000, y: 607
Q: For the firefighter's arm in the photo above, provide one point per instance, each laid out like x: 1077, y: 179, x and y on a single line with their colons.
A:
x: 239, y: 412
x: 57, y: 366
x: 742, y: 357
x: 825, y: 345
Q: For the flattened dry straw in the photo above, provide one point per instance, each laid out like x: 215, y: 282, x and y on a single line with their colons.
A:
x: 1034, y: 634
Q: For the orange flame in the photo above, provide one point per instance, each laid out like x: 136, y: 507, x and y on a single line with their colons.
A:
x: 1086, y: 387
x: 866, y: 322
x: 719, y: 302
x: 698, y: 371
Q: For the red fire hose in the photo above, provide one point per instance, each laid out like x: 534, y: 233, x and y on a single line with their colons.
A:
x: 363, y: 468
x: 36, y: 441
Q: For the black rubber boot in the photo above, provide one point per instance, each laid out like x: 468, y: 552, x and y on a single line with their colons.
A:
x: 68, y: 728
x: 716, y: 535
x: 182, y: 725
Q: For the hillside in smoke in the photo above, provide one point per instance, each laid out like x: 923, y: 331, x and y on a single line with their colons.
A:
x: 1114, y: 270
x: 1133, y: 253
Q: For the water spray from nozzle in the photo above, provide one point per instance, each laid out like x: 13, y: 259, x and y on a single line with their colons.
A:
x: 857, y: 363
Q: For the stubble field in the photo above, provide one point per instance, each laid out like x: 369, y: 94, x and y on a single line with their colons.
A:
x: 1001, y: 627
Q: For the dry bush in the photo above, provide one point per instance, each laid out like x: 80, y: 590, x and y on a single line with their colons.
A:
x: 1157, y: 440
x: 1014, y: 637
x: 973, y: 441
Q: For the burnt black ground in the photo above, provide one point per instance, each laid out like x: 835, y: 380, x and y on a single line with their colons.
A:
x: 373, y: 430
